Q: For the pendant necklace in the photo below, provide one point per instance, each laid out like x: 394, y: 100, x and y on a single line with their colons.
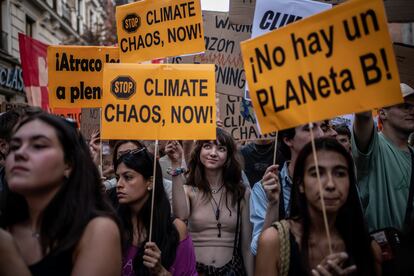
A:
x: 215, y: 191
x: 217, y: 211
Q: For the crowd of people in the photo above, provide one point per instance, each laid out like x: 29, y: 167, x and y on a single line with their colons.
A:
x: 340, y: 206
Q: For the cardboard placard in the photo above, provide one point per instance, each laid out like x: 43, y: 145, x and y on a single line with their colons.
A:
x: 222, y: 49
x: 337, y: 62
x: 90, y: 121
x: 241, y: 11
x: 238, y: 118
x: 75, y: 74
x: 155, y: 29
x: 159, y: 102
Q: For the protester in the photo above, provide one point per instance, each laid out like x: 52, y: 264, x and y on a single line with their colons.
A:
x: 215, y: 203
x: 328, y: 129
x: 258, y: 156
x: 54, y: 208
x: 266, y: 205
x: 300, y: 244
x: 123, y: 146
x: 170, y: 249
x: 344, y: 136
x: 383, y: 160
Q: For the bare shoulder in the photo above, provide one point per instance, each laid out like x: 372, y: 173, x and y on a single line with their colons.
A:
x: 181, y: 228
x: 268, y: 245
x: 100, y: 228
x: 270, y: 237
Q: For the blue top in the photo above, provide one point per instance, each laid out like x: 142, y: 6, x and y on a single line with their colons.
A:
x: 259, y: 202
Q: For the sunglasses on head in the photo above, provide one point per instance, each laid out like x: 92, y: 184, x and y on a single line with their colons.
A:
x: 131, y: 152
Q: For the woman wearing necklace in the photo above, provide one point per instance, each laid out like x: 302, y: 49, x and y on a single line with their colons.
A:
x: 215, y: 204
x: 53, y: 206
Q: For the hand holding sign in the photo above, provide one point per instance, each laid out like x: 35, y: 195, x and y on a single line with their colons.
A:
x: 150, y: 101
x: 341, y: 58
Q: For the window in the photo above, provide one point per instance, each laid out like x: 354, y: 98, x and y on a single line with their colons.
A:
x: 29, y: 26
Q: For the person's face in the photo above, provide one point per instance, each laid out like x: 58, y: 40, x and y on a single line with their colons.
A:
x: 213, y: 156
x: 124, y: 148
x: 131, y: 187
x: 344, y: 141
x: 36, y: 159
x: 302, y: 136
x: 400, y: 117
x: 333, y: 170
x: 328, y: 130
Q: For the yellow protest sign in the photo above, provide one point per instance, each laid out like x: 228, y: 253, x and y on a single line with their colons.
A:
x: 75, y: 74
x: 155, y: 29
x: 159, y: 101
x: 337, y: 62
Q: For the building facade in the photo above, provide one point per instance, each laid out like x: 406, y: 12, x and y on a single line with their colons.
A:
x: 49, y: 21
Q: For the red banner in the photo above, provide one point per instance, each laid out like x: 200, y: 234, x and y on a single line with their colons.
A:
x: 33, y: 56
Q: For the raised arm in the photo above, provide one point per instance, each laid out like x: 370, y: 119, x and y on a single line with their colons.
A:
x: 363, y: 128
x: 180, y: 200
x: 99, y: 250
x: 271, y: 186
x: 264, y: 204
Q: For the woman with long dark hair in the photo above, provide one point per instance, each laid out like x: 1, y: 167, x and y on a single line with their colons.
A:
x: 215, y: 203
x: 53, y: 205
x: 171, y: 249
x: 299, y: 245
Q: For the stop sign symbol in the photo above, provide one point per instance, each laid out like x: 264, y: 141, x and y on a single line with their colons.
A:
x: 123, y: 87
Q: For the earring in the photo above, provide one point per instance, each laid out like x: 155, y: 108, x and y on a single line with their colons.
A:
x: 149, y: 188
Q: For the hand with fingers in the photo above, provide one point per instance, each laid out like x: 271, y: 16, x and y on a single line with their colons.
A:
x: 174, y: 150
x: 270, y: 182
x: 152, y: 260
x: 332, y: 265
x: 95, y: 146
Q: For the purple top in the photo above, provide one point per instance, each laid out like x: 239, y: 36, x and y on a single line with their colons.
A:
x: 184, y: 263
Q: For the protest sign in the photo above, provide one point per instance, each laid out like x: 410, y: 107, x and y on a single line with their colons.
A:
x: 270, y: 15
x: 241, y: 11
x: 238, y: 118
x: 222, y: 41
x: 338, y: 62
x: 70, y: 113
x: 75, y: 74
x: 155, y: 29
x: 159, y: 102
x: 90, y: 121
x: 405, y: 60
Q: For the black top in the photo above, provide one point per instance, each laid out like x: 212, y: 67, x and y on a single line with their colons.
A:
x: 52, y: 265
x: 295, y: 266
x: 256, y: 160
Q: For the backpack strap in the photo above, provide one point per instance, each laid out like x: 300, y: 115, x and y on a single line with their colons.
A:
x: 284, y: 240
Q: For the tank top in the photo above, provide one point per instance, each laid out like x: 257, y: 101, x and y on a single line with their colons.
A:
x: 51, y: 265
x: 202, y: 223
